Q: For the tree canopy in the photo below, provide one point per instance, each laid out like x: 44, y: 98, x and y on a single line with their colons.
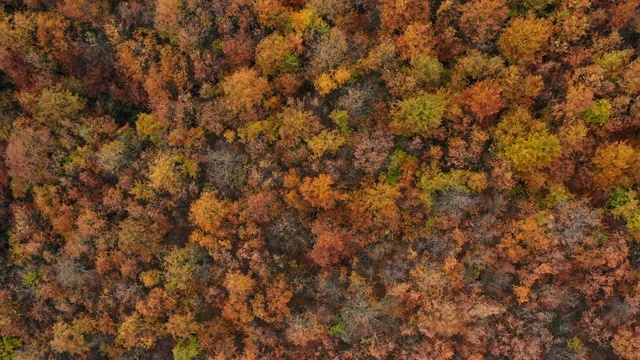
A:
x: 319, y: 179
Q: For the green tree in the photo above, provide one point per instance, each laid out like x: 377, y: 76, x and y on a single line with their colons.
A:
x: 418, y: 115
x: 186, y: 349
x: 598, y: 113
x: 8, y: 347
x: 148, y: 125
x: 526, y: 142
x: 626, y: 204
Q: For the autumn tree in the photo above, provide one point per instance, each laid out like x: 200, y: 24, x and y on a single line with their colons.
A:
x: 625, y: 203
x: 28, y: 155
x: 55, y: 108
x: 263, y: 179
x: 519, y: 87
x: 297, y: 124
x: 305, y: 329
x: 137, y: 331
x: 140, y: 234
x: 625, y: 342
x: 326, y: 142
x: 524, y: 39
x: 165, y: 173
x: 394, y: 15
x: 484, y: 99
x: 475, y: 66
x: 69, y: 338
x: 319, y: 192
x: 482, y: 20
x: 244, y: 92
x: 362, y: 315
x: 332, y: 243
x: 186, y: 268
x: 371, y: 151
x: 273, y: 306
x: 276, y: 53
x: 374, y: 207
x: 614, y: 166
x: 263, y: 206
x: 417, y: 39
x: 419, y: 115
x: 239, y: 286
x: 148, y: 125
x: 209, y: 212
x: 631, y: 80
x: 527, y: 143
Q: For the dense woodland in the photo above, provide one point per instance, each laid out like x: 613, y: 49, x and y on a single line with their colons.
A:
x: 319, y: 179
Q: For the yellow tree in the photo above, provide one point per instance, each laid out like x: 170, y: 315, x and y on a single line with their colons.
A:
x: 374, y: 207
x: 319, y: 193
x: 209, y: 212
x: 524, y: 39
x: 528, y: 145
x: 419, y: 115
x: 69, y: 338
x: 164, y: 173
x: 297, y: 124
x: 244, y: 92
x: 616, y: 166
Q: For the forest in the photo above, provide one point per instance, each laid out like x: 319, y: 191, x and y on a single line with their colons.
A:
x: 320, y: 179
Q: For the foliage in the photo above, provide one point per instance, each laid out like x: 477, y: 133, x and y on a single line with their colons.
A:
x: 68, y: 338
x: 326, y: 141
x: 164, y: 173
x: 375, y: 206
x: 275, y: 54
x: 614, y: 165
x: 341, y: 118
x: 244, y: 91
x: 332, y: 244
x: 9, y: 345
x: 419, y: 115
x: 613, y: 62
x: 482, y: 20
x: 484, y: 99
x: 427, y: 70
x: 318, y: 191
x: 524, y: 38
x: 625, y: 203
x: 308, y: 19
x: 297, y: 124
x: 322, y: 179
x: 57, y: 108
x: 526, y: 142
x: 149, y: 125
x: 598, y: 113
x: 625, y: 343
x: 433, y: 180
x: 209, y: 212
x: 186, y: 349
